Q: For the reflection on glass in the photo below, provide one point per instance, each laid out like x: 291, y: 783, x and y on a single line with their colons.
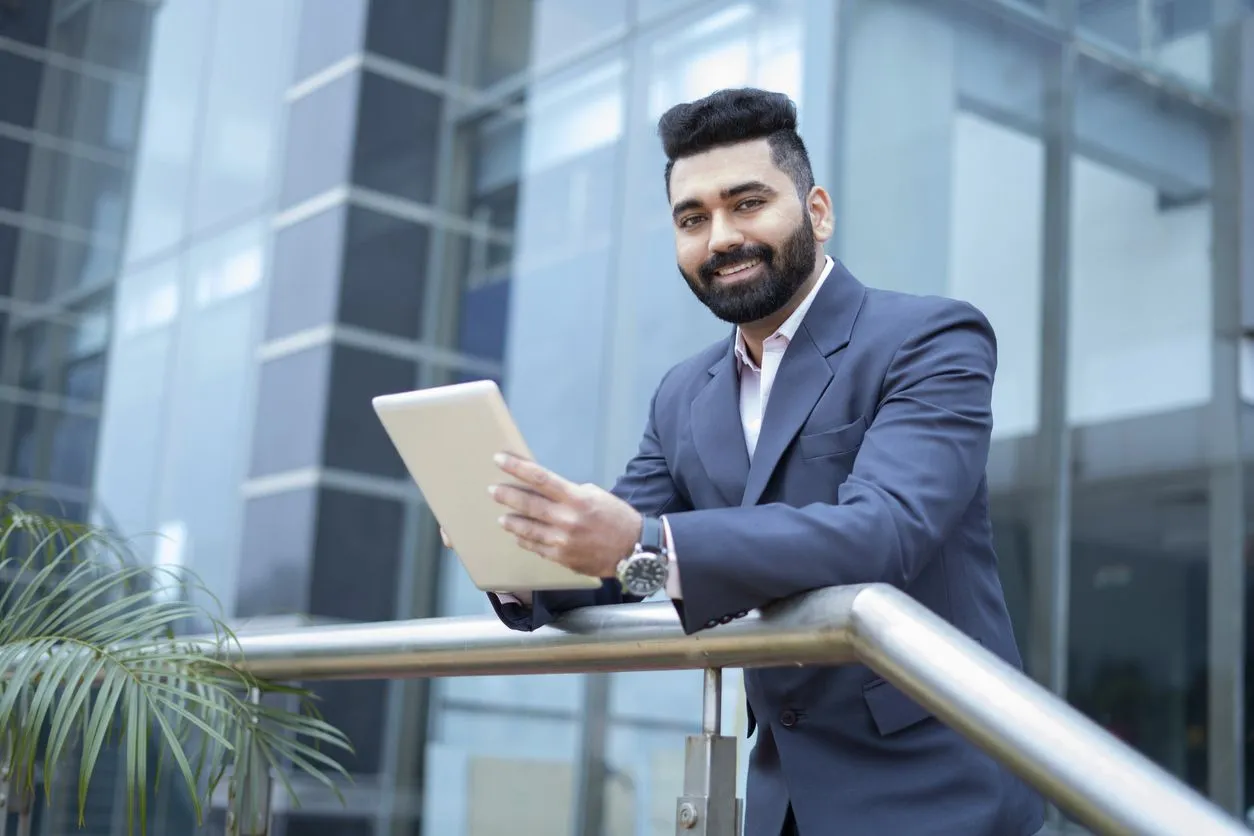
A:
x: 180, y: 383
x: 328, y: 31
x: 505, y: 42
x: 319, y: 140
x: 164, y: 167
x: 942, y: 186
x: 1140, y: 227
x: 132, y: 420
x: 1172, y: 35
x: 1137, y: 663
x: 733, y: 46
x: 396, y: 136
x: 243, y: 108
x: 563, y: 27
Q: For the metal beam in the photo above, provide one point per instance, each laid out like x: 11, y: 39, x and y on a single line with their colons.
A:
x: 1053, y: 746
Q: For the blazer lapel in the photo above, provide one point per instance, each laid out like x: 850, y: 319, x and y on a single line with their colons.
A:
x: 805, y: 372
x: 717, y: 431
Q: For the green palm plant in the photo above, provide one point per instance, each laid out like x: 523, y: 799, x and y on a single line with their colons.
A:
x: 89, y: 656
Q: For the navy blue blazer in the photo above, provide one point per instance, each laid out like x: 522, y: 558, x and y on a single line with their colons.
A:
x: 870, y: 467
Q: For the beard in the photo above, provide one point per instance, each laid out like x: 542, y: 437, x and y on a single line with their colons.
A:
x: 783, y: 272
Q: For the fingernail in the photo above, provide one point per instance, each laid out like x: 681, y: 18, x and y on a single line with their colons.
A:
x: 492, y: 491
x: 500, y: 459
x: 501, y: 521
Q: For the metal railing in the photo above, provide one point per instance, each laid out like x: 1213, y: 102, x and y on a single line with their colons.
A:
x: 1097, y: 779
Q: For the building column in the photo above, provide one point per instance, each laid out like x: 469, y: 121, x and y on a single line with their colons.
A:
x: 1233, y: 320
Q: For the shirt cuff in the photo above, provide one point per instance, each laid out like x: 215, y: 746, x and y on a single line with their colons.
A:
x: 673, y: 589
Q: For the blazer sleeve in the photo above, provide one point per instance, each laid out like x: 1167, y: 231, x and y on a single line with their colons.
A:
x: 648, y: 486
x: 920, y: 463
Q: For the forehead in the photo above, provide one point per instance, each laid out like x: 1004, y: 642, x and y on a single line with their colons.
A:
x: 702, y: 176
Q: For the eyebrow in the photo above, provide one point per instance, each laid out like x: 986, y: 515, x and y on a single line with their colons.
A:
x: 726, y: 194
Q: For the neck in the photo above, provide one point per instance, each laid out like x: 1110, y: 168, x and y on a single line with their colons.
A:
x: 756, y: 333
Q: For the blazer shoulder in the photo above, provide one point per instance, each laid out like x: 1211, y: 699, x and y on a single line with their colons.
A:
x: 908, y: 312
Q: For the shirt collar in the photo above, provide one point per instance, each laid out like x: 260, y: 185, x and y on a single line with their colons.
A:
x: 788, y: 330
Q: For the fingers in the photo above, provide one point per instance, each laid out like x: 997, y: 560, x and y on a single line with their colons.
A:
x: 542, y: 480
x: 534, y: 535
x: 533, y: 505
x: 448, y: 544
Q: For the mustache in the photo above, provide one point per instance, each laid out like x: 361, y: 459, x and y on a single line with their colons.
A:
x: 720, y: 260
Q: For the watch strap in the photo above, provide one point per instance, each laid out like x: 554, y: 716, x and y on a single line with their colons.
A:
x: 653, y: 536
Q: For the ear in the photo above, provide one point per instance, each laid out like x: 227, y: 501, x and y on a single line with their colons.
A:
x: 822, y: 217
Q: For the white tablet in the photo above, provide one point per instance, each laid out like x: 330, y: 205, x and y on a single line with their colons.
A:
x: 447, y: 437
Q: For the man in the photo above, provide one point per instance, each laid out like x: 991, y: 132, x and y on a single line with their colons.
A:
x: 839, y: 435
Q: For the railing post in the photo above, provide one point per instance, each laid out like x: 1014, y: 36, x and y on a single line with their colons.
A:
x: 248, y: 794
x: 709, y: 806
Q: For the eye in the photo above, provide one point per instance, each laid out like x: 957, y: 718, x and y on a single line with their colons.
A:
x: 690, y: 221
x: 750, y: 203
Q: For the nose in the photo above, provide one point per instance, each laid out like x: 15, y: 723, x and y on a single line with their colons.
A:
x: 724, y: 236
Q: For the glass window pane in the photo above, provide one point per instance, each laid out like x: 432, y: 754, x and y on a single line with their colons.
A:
x: 291, y: 398
x: 275, y: 550
x: 21, y: 96
x: 173, y: 97
x: 410, y: 32
x: 29, y: 27
x: 1139, y: 388
x: 145, y: 313
x: 305, y: 286
x: 45, y: 264
x: 243, y: 109
x: 1174, y: 36
x: 563, y: 260
x: 119, y: 33
x: 328, y: 31
x: 319, y: 140
x: 1140, y: 226
x: 505, y: 42
x: 396, y: 138
x: 208, y: 405
x: 563, y: 27
x: 354, y: 439
x: 85, y: 193
x: 370, y: 528
x: 385, y: 267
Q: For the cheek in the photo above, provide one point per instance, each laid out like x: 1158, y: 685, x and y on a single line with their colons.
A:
x: 689, y: 252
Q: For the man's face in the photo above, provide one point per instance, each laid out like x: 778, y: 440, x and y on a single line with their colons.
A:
x: 744, y: 240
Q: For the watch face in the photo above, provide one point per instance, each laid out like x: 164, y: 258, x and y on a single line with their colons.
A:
x: 645, y: 576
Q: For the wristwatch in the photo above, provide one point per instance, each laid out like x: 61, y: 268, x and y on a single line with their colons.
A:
x: 645, y: 570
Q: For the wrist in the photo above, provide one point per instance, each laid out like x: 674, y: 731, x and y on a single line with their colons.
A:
x: 646, y: 569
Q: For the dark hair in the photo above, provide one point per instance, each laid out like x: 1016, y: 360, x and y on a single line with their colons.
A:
x: 727, y: 117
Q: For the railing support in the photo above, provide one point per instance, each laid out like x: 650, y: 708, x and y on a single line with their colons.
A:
x: 709, y: 806
x: 248, y: 795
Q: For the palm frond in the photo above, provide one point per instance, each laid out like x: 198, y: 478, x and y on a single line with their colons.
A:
x: 88, y: 652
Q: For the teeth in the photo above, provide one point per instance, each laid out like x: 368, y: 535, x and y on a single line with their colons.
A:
x: 727, y: 271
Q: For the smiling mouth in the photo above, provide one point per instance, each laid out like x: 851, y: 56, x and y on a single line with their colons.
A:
x: 736, y: 269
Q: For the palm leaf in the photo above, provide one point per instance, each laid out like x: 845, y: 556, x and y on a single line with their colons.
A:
x: 88, y: 652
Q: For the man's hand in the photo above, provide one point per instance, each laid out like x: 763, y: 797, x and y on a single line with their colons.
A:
x: 582, y: 527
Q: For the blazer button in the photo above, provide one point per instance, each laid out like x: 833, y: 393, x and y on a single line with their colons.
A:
x: 727, y: 619
x: 788, y: 718
x: 711, y: 623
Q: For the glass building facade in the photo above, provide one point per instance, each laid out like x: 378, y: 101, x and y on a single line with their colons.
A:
x: 226, y: 224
